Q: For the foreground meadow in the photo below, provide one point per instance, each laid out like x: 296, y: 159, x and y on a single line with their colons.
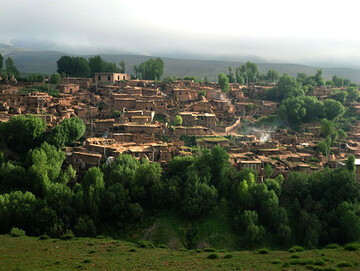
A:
x: 30, y: 253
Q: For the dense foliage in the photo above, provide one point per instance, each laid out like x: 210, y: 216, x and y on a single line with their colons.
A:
x: 82, y: 67
x: 38, y: 193
x: 151, y: 69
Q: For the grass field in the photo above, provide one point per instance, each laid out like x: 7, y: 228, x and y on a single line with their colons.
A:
x: 30, y: 253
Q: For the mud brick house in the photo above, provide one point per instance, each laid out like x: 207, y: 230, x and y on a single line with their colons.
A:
x: 85, y: 160
x: 110, y: 77
x: 185, y: 95
x: 148, y: 129
x: 194, y: 130
x: 198, y: 119
x: 68, y: 88
x: 210, y: 142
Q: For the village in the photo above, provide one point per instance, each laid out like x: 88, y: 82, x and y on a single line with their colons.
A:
x: 137, y: 117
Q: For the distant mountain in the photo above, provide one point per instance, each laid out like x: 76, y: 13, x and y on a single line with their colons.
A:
x: 33, y: 61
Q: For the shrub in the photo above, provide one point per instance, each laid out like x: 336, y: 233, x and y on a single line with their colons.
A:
x: 43, y: 237
x: 145, y: 244
x: 352, y: 247
x: 295, y: 256
x: 228, y: 256
x: 67, y: 236
x: 92, y: 251
x: 213, y: 256
x: 332, y: 246
x: 162, y: 246
x: 277, y: 261
x: 319, y: 262
x: 16, y: 232
x: 296, y: 249
x: 344, y: 264
x: 209, y: 249
x: 87, y: 261
x: 263, y: 251
x: 132, y: 250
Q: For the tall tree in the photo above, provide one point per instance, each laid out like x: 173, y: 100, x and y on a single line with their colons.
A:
x: 122, y: 66
x: 223, y: 82
x: 10, y: 67
x: 1, y: 62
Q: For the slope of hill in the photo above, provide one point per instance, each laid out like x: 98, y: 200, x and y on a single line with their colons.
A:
x: 29, y: 61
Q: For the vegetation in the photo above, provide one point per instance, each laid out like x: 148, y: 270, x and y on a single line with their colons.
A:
x: 223, y: 82
x: 151, y: 69
x: 81, y: 67
x: 92, y: 254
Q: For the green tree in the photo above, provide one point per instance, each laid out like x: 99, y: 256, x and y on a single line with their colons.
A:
x: 151, y: 69
x: 272, y: 76
x: 21, y: 133
x: 319, y: 79
x: 55, y: 78
x: 67, y: 132
x: 1, y: 62
x: 10, y: 67
x: 350, y: 163
x: 223, y: 82
x: 249, y: 72
x: 73, y: 66
x: 177, y: 120
x: 333, y: 109
x: 268, y: 171
x: 338, y: 81
x: 230, y: 75
x: 122, y: 66
x: 353, y: 94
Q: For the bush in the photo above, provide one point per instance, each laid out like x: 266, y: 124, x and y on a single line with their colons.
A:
x: 352, y: 247
x: 276, y: 261
x: 344, y: 264
x: 162, y: 246
x: 43, y: 237
x: 228, y: 256
x: 67, y: 236
x: 296, y: 249
x: 295, y: 256
x: 132, y: 250
x: 16, y: 232
x: 319, y: 262
x: 92, y: 251
x: 213, y: 256
x: 263, y: 251
x: 209, y: 249
x: 145, y: 244
x: 87, y: 261
x: 332, y: 246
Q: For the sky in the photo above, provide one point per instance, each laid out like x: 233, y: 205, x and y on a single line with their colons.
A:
x: 305, y: 31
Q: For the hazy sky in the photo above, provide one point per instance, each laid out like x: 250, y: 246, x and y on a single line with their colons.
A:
x: 276, y: 30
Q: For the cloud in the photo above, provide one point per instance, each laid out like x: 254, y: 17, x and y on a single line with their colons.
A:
x: 277, y: 30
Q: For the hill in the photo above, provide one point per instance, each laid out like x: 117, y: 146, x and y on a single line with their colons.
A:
x: 32, y: 61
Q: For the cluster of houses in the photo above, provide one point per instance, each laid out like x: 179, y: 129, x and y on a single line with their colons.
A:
x: 136, y: 117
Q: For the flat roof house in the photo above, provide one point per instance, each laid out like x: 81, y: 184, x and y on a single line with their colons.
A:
x: 110, y: 77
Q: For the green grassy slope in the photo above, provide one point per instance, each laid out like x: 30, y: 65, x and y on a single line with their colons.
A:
x: 29, y: 253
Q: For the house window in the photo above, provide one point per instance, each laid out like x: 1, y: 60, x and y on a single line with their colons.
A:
x: 99, y: 78
x: 108, y: 77
x: 118, y: 77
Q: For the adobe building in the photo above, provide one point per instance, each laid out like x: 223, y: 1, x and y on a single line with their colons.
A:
x: 110, y: 77
x: 68, y: 88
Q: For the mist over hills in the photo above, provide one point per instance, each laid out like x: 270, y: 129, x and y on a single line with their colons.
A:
x: 178, y: 64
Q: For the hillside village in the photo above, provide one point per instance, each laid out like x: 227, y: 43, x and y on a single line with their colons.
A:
x: 137, y: 117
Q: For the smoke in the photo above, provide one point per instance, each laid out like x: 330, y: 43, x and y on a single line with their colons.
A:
x: 265, y: 137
